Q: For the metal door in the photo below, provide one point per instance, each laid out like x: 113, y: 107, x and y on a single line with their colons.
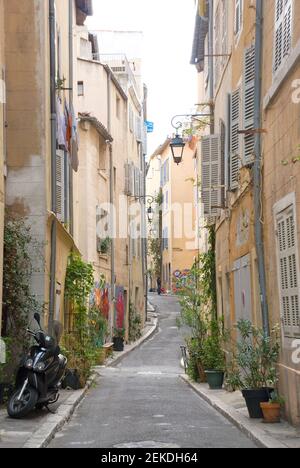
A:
x: 242, y: 289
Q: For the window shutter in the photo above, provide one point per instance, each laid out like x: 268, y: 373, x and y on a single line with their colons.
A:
x: 211, y: 174
x: 235, y: 111
x: 131, y: 180
x: 249, y: 88
x: 127, y: 177
x: 288, y: 272
x: 60, y: 178
x: 283, y: 31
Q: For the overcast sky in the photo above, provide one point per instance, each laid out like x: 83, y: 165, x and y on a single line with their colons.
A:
x: 168, y: 27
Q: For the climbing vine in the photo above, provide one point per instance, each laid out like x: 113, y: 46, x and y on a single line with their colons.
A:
x: 19, y: 304
x: 199, y: 313
x: 80, y: 346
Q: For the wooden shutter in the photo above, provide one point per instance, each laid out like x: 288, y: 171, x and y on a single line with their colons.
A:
x: 235, y: 111
x: 211, y: 174
x: 249, y: 88
x: 60, y: 179
x: 288, y: 271
x: 283, y: 31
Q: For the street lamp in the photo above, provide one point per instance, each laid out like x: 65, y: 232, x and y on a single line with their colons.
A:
x: 150, y: 214
x: 177, y: 144
x: 177, y: 147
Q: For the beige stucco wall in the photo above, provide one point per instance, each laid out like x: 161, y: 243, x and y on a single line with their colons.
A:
x: 182, y: 249
x: 27, y: 109
x: 281, y: 143
x: 2, y: 103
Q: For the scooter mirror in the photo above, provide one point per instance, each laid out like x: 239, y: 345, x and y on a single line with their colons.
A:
x: 37, y: 318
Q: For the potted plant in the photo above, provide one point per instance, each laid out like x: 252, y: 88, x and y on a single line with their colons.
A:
x: 254, y: 359
x: 105, y: 246
x: 214, y: 357
x: 118, y: 339
x: 272, y: 409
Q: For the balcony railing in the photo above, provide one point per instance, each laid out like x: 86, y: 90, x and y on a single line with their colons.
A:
x: 119, y: 65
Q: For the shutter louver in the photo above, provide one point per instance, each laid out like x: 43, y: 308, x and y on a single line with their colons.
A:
x: 283, y: 31
x: 288, y: 272
x: 211, y: 175
x: 234, y: 139
x: 60, y: 193
x: 249, y: 87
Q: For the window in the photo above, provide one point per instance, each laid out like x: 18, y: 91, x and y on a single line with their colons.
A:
x: 283, y: 31
x: 166, y: 198
x: 131, y: 119
x: 80, y: 88
x: 239, y: 11
x: 165, y: 239
x: 118, y: 107
x: 288, y: 270
x: 221, y: 38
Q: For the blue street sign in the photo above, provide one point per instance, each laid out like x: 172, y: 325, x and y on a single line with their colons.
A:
x: 150, y: 126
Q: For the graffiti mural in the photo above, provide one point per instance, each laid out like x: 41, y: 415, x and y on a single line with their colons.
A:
x: 100, y: 299
x: 120, y: 308
x: 180, y: 278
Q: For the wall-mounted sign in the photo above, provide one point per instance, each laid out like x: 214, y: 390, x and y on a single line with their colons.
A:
x: 150, y: 126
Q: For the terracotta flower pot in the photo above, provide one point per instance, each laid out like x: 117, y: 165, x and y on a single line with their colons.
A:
x: 271, y: 412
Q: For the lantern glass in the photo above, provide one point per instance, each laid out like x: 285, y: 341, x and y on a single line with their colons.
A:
x: 150, y: 214
x: 177, y: 146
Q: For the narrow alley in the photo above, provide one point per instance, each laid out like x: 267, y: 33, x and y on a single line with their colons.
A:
x: 143, y: 403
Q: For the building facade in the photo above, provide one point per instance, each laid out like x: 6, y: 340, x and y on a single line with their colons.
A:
x: 2, y: 145
x: 281, y: 175
x: 40, y: 160
x: 249, y: 164
x: 177, y: 225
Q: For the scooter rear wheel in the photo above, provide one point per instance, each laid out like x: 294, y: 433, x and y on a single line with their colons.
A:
x: 18, y: 409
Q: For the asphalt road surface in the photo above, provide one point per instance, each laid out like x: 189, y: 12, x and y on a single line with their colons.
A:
x: 143, y: 403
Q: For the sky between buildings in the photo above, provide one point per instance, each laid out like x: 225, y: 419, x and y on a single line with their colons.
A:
x: 168, y: 27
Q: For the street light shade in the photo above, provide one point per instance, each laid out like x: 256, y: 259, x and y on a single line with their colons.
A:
x: 177, y: 146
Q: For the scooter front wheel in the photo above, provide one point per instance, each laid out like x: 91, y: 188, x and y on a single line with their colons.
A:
x: 18, y: 409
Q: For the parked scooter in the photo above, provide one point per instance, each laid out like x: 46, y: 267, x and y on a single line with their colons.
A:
x: 40, y: 374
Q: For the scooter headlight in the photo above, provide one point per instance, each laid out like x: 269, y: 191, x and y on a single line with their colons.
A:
x: 40, y: 367
x: 29, y: 364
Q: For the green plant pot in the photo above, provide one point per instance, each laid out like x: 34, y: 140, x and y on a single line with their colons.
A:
x: 215, y: 379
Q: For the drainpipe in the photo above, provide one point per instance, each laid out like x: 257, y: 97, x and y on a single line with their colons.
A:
x: 257, y: 169
x: 111, y: 189
x: 211, y: 63
x: 53, y: 161
x: 71, y: 84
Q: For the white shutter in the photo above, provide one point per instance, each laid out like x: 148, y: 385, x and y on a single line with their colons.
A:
x: 288, y: 271
x: 60, y: 186
x: 249, y: 88
x: 283, y: 31
x: 235, y: 112
x: 211, y: 174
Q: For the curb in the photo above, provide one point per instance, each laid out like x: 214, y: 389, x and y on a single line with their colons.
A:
x: 54, y: 423
x: 258, y: 436
x: 115, y: 361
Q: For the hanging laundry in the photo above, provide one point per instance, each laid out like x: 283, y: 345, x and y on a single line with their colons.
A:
x: 60, y: 126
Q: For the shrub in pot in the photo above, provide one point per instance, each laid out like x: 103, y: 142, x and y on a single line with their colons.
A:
x: 214, y: 356
x: 272, y: 409
x: 254, y: 359
x: 118, y: 339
